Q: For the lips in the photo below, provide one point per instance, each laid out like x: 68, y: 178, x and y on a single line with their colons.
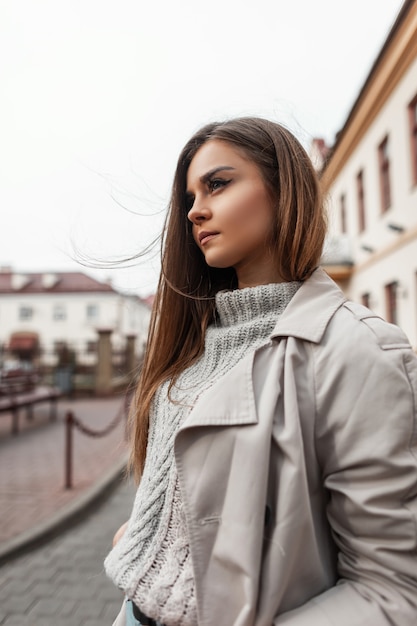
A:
x: 205, y: 236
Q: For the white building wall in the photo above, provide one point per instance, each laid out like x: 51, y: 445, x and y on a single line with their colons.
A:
x: 399, y: 266
x: 395, y: 254
x: 124, y: 315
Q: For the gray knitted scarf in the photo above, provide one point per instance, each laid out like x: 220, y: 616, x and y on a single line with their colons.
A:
x: 152, y: 562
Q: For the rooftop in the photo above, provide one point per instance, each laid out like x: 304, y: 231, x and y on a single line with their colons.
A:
x: 50, y: 282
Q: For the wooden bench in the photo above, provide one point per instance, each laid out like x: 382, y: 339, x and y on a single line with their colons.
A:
x: 18, y: 396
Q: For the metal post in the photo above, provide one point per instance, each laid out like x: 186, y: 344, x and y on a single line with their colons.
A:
x: 129, y: 397
x: 52, y: 410
x: 69, y: 420
x: 15, y: 418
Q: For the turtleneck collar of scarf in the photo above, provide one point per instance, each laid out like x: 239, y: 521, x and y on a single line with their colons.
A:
x: 244, y: 305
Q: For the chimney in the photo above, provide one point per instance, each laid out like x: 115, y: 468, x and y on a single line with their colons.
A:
x: 318, y: 152
x: 49, y: 280
x: 18, y: 281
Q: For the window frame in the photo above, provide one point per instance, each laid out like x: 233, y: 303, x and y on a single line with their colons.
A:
x: 360, y: 191
x: 391, y: 302
x: 343, y: 214
x: 59, y: 317
x: 27, y: 317
x: 91, y: 347
x: 92, y: 312
x: 384, y: 163
x: 412, y: 122
x: 366, y: 299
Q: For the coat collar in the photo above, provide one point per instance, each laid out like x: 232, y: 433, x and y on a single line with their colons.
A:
x: 311, y: 309
x: 306, y: 317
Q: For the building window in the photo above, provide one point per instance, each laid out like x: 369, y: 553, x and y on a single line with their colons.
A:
x: 92, y: 312
x: 361, y: 201
x: 59, y: 345
x: 25, y: 313
x: 343, y: 224
x: 59, y: 313
x: 384, y: 174
x: 91, y: 347
x: 412, y: 116
x: 391, y: 302
x: 366, y: 300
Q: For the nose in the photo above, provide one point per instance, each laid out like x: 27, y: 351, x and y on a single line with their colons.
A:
x: 198, y: 213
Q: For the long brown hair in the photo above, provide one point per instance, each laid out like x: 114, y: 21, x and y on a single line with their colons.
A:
x: 184, y: 301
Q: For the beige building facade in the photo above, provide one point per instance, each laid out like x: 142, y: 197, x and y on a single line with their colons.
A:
x: 370, y: 178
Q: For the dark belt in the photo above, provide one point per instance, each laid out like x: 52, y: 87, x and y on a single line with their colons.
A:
x: 141, y: 617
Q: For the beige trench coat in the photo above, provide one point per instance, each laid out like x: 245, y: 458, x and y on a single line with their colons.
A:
x: 298, y: 472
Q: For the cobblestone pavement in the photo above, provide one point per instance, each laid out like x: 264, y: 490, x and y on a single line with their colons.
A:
x: 63, y: 582
x: 32, y: 478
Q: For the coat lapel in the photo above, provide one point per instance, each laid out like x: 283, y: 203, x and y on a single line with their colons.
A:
x: 311, y: 309
x: 237, y: 404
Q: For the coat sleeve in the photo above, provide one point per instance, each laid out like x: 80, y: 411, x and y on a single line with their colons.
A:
x: 366, y: 440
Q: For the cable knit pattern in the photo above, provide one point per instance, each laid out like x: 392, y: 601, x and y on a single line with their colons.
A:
x: 152, y: 562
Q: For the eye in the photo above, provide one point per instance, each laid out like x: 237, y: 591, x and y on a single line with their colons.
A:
x: 217, y: 183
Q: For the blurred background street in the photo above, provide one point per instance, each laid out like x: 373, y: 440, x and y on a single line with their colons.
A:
x: 63, y: 583
x: 52, y: 539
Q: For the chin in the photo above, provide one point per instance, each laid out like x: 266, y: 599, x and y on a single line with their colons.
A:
x: 213, y: 260
x: 218, y: 265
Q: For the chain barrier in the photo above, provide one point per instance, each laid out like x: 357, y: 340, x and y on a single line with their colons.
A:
x: 72, y: 422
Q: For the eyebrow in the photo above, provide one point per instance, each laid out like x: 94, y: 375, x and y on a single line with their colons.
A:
x: 221, y: 168
x: 209, y: 175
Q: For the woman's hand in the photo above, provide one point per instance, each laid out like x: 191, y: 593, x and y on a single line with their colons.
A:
x: 119, y: 533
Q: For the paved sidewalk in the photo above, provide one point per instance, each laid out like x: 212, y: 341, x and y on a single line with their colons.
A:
x: 63, y: 582
x: 33, y: 498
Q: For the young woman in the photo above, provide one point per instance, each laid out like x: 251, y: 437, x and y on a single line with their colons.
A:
x: 275, y: 427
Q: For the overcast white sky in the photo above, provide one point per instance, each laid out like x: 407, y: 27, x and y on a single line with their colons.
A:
x: 97, y: 97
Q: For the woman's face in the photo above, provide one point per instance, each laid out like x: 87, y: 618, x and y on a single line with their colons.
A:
x: 232, y: 213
